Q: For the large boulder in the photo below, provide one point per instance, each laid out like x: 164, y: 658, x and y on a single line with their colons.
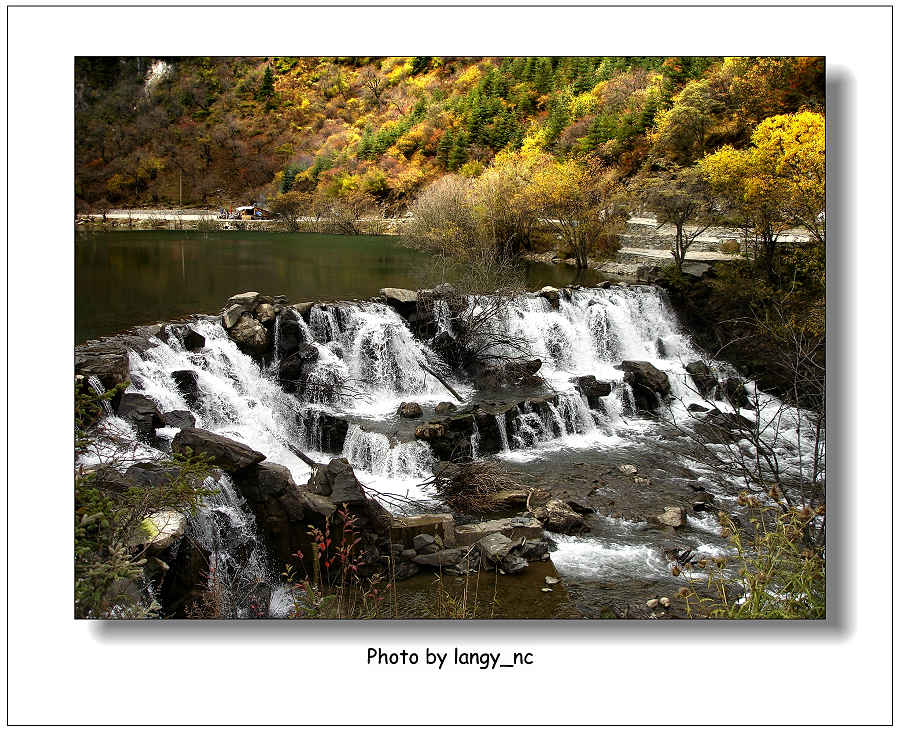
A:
x: 282, y: 513
x: 495, y: 547
x: 410, y: 410
x: 338, y: 483
x: 105, y: 359
x: 494, y: 377
x: 246, y: 299
x: 648, y: 384
x: 264, y: 312
x: 150, y: 474
x: 718, y: 428
x: 592, y: 389
x: 179, y: 418
x: 231, y: 315
x: 447, y: 557
x: 294, y: 369
x: 160, y: 530
x: 671, y: 517
x: 290, y: 334
x: 141, y: 412
x: 187, y: 384
x: 704, y: 378
x: 559, y: 517
x: 551, y: 294
x: 185, y: 583
x: 230, y: 455
x: 402, y: 300
x: 250, y: 335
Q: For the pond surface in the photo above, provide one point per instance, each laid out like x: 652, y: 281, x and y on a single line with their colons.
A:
x: 128, y: 278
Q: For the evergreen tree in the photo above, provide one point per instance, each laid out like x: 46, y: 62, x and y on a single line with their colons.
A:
x: 459, y: 153
x: 543, y: 76
x: 267, y: 86
x: 444, y: 145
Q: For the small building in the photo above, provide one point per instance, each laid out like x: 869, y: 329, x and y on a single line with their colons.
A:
x: 252, y: 213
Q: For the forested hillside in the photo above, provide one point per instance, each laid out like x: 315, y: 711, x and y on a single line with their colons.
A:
x: 221, y: 131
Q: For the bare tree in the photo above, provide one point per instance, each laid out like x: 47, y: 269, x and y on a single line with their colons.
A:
x: 375, y: 83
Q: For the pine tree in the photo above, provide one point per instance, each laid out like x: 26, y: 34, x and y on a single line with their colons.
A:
x: 459, y: 153
x: 444, y: 145
x: 267, y: 87
x: 543, y: 76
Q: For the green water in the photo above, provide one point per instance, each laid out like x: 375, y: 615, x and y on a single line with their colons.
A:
x: 137, y: 277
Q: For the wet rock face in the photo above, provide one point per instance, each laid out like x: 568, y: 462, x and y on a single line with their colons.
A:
x: 179, y: 418
x: 558, y: 517
x: 332, y: 429
x: 703, y: 377
x: 494, y: 377
x: 230, y: 455
x: 188, y: 386
x: 592, y: 389
x: 141, y: 412
x: 250, y: 335
x: 736, y: 393
x: 410, y: 410
x: 294, y: 369
x: 648, y: 384
x: 105, y: 359
x: 290, y: 334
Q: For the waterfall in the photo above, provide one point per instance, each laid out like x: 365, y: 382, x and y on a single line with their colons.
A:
x: 97, y: 387
x: 501, y: 427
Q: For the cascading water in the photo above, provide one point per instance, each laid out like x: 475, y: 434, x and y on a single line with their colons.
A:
x: 368, y: 362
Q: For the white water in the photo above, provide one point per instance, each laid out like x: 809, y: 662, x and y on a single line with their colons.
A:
x: 367, y: 352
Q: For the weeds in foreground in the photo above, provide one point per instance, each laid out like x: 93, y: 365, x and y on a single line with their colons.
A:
x: 774, y: 574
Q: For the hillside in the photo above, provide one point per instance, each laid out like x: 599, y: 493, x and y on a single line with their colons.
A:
x: 220, y: 131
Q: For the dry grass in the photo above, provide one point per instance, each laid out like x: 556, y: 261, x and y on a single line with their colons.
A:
x: 476, y: 487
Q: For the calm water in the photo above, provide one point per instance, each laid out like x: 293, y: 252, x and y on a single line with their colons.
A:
x: 137, y: 277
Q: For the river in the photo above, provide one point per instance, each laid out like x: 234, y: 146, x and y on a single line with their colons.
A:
x: 127, y: 278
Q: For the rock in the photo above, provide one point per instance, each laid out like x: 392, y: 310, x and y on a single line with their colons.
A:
x: 551, y: 294
x: 430, y: 548
x: 192, y: 339
x: 290, y: 334
x: 405, y: 570
x: 444, y: 407
x: 440, y: 525
x: 703, y: 377
x: 664, y: 602
x: 652, y: 603
x: 578, y: 506
x: 546, y: 589
x: 231, y: 315
x: 294, y: 369
x: 230, y: 455
x: 338, y: 482
x: 494, y: 377
x: 515, y: 528
x: 628, y: 469
x: 250, y: 335
x: 188, y: 387
x: 536, y: 549
x: 697, y: 409
x: 158, y: 531
x: 447, y: 557
x: 402, y: 300
x: 150, y: 474
x: 592, y: 389
x: 430, y: 431
x: 105, y: 359
x: 422, y: 541
x: 736, y: 393
x: 513, y: 564
x: 179, y: 418
x: 719, y: 428
x: 673, y: 517
x: 408, y: 553
x: 247, y: 299
x: 186, y: 580
x: 495, y: 547
x: 605, y: 284
x: 648, y: 383
x: 410, y: 410
x: 696, y: 269
x: 551, y: 580
x: 141, y: 412
x: 560, y: 518
x: 280, y: 510
x: 332, y: 429
x: 303, y: 309
x: 264, y: 313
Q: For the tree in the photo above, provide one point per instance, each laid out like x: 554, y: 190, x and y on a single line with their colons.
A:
x: 290, y: 206
x: 776, y: 183
x: 583, y: 203
x: 682, y: 130
x: 375, y: 83
x: 681, y: 198
x: 266, y: 87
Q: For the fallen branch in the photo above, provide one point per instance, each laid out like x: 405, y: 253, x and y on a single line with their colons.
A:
x: 443, y: 382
